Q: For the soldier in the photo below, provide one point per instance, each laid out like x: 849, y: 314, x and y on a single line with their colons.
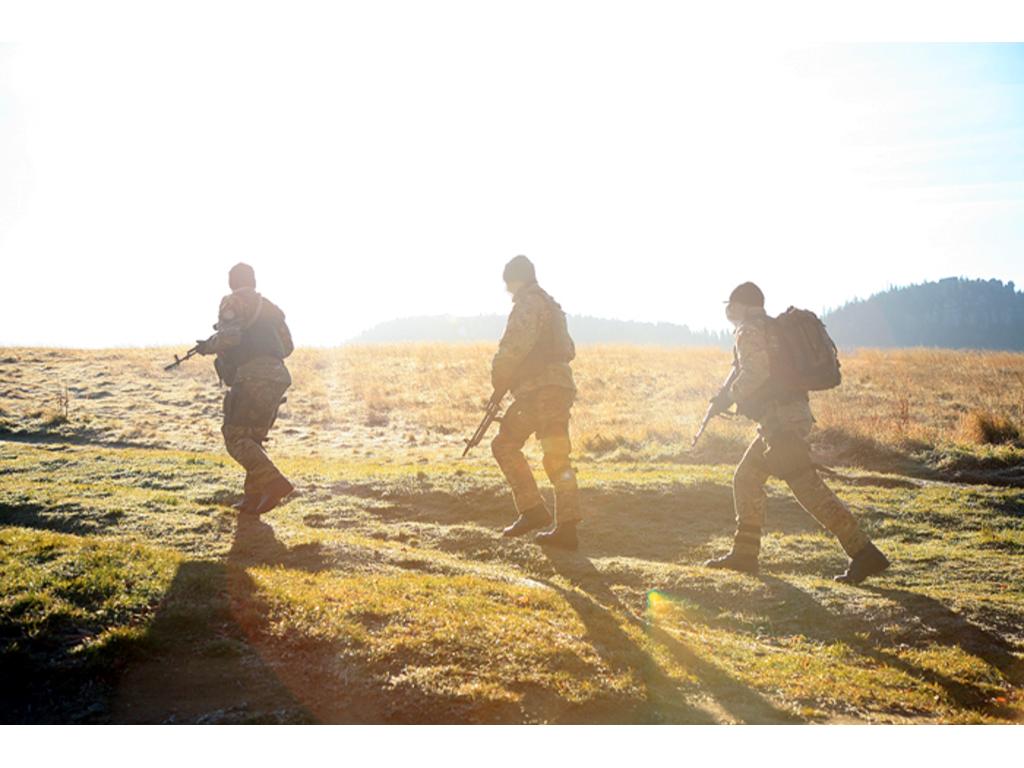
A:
x: 780, y: 449
x: 533, y: 361
x: 251, y: 342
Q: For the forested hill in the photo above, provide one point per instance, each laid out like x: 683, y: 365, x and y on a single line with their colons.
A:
x: 954, y: 313
x: 584, y: 330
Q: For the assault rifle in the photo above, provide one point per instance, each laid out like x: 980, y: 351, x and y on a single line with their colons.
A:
x: 188, y: 355
x: 714, y: 409
x: 491, y: 413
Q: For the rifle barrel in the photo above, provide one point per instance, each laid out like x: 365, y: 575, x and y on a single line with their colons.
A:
x: 179, y: 360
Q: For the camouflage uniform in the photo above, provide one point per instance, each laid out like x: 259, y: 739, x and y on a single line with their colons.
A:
x: 780, y: 449
x: 533, y: 360
x: 257, y: 386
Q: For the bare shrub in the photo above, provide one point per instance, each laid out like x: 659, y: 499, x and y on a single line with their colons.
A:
x: 984, y: 428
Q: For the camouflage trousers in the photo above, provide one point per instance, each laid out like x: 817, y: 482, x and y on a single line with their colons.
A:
x: 250, y: 410
x: 545, y: 413
x: 786, y: 455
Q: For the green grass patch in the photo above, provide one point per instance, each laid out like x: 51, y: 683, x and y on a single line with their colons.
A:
x: 72, y: 609
x: 385, y: 593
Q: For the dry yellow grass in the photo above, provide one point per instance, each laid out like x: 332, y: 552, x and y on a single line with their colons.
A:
x: 635, y: 403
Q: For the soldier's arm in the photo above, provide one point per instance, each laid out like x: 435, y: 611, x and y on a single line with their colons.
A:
x: 229, y: 328
x: 285, y: 334
x: 519, y: 338
x: 754, y: 363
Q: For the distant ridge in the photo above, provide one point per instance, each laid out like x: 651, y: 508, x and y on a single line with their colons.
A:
x: 585, y: 330
x: 954, y: 313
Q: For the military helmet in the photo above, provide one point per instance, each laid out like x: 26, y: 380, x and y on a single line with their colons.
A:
x: 747, y: 294
x: 242, y: 276
x: 519, y: 270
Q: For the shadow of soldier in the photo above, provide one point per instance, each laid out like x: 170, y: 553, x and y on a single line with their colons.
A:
x: 944, y: 627
x: 198, y: 661
x: 256, y: 544
x: 947, y: 627
x: 597, y: 606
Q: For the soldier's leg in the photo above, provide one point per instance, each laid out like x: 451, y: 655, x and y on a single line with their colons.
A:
x: 553, y: 433
x: 251, y: 489
x: 273, y: 397
x: 250, y: 410
x: 560, y: 472
x: 750, y: 500
x: 251, y: 493
x: 818, y: 499
x: 823, y: 504
x: 789, y: 458
x: 245, y: 445
x: 518, y: 423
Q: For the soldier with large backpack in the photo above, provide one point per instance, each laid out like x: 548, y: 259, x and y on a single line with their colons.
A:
x: 251, y: 343
x: 533, y: 362
x: 777, y: 362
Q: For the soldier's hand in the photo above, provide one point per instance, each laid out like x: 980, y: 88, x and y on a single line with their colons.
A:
x: 203, y: 347
x: 721, y: 402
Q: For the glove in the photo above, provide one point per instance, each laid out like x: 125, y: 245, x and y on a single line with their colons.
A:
x: 203, y: 347
x: 721, y: 402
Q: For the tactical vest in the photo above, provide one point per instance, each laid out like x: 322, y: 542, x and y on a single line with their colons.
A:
x: 266, y: 336
x: 554, y: 344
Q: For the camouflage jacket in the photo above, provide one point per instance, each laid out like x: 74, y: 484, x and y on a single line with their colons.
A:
x: 238, y: 311
x: 536, y: 349
x: 752, y: 388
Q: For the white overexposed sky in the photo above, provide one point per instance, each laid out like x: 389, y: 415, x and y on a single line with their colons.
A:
x: 389, y: 164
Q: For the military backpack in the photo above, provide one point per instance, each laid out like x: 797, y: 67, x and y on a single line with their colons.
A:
x: 804, y: 359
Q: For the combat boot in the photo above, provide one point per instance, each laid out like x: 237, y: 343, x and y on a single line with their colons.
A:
x: 735, y: 562
x: 868, y: 562
x: 563, y: 537
x: 529, y: 520
x: 272, y: 496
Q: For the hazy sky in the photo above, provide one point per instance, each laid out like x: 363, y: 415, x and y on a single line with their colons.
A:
x: 391, y: 167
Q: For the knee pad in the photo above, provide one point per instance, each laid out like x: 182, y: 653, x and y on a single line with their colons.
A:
x: 556, y: 447
x: 561, y: 475
x: 502, y: 448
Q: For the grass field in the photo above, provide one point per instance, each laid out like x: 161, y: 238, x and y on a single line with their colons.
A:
x: 384, y: 593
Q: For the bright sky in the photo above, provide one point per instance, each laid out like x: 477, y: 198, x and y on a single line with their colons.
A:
x: 391, y: 165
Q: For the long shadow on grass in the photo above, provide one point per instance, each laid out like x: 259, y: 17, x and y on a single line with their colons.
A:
x: 63, y: 518
x: 813, y: 620
x: 791, y: 611
x: 598, y: 606
x: 47, y: 677
x: 951, y: 628
x: 197, y: 662
x: 211, y: 657
x: 651, y: 522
